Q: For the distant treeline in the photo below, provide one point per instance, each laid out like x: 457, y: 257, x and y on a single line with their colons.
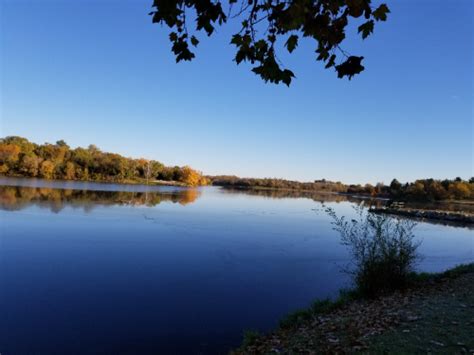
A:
x: 20, y: 157
x: 426, y: 190
x: 420, y: 190
x: 318, y: 185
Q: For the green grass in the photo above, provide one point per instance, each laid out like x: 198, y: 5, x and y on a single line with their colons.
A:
x: 457, y: 271
x: 420, y: 277
x: 318, y: 307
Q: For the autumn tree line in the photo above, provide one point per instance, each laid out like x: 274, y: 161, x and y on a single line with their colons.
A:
x: 432, y: 190
x: 20, y: 157
x: 420, y: 190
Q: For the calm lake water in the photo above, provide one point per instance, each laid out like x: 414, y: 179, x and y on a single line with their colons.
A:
x: 103, y: 268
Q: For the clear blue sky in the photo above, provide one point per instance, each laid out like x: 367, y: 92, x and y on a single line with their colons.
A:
x: 99, y: 72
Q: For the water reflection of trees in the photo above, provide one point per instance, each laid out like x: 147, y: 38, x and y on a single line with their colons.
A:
x: 17, y: 197
x: 315, y: 196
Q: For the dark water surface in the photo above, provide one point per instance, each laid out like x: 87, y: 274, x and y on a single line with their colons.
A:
x: 96, y: 268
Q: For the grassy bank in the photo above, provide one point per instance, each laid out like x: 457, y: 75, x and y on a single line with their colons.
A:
x: 434, y: 314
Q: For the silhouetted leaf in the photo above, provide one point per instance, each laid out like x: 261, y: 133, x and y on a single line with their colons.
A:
x: 355, y: 7
x: 380, y: 14
x: 366, y: 28
x: 350, y: 67
x: 287, y: 75
x: 331, y: 61
x: 291, y: 43
x: 194, y: 41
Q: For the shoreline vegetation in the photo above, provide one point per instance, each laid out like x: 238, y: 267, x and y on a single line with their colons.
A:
x: 22, y: 158
x: 422, y: 190
x: 433, y: 314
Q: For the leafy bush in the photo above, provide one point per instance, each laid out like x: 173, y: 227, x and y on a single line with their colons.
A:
x: 383, y: 250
